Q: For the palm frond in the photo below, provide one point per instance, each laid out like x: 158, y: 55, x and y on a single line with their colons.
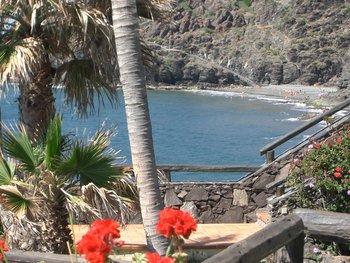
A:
x: 78, y: 207
x: 7, y: 171
x: 19, y: 148
x: 89, y: 164
x: 53, y: 143
x: 82, y: 82
x: 14, y: 201
x: 107, y: 202
x: 20, y: 59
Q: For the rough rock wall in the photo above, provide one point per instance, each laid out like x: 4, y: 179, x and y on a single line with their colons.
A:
x: 222, y: 202
x: 269, y: 41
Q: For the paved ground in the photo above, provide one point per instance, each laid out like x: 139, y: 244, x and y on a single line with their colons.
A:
x: 207, y: 236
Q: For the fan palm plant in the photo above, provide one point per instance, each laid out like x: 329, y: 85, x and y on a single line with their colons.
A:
x: 64, y: 43
x: 41, y: 184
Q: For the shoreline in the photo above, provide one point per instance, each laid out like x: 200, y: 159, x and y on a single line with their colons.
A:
x: 315, y: 96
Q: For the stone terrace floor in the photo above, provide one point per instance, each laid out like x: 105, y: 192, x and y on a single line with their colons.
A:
x: 207, y: 236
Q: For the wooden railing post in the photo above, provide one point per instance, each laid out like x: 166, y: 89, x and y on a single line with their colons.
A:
x: 270, y: 156
x: 295, y: 249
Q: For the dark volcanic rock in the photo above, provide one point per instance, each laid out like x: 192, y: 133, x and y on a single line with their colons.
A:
x: 260, y: 183
x: 171, y: 198
x: 234, y: 215
x: 260, y: 199
x: 208, y: 76
x: 197, y: 194
x: 207, y: 217
x: 280, y: 42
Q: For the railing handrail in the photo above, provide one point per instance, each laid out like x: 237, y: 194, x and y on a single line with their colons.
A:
x: 200, y: 168
x: 304, y: 126
x: 287, y: 231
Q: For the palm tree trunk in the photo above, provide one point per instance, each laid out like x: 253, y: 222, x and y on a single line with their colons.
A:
x: 125, y: 23
x: 36, y: 102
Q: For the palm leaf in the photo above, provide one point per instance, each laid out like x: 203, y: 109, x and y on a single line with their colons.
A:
x: 19, y: 148
x: 53, y: 143
x: 21, y: 59
x: 89, y: 164
x: 107, y: 202
x: 82, y: 81
x: 7, y: 172
x: 14, y: 201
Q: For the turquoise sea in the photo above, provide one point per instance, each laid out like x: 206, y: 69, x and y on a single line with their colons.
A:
x: 192, y: 127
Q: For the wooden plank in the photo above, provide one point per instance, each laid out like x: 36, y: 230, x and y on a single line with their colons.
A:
x: 20, y: 256
x: 305, y: 126
x: 325, y: 225
x: 258, y: 246
x: 201, y: 168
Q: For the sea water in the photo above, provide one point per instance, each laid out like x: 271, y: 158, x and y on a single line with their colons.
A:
x: 191, y: 127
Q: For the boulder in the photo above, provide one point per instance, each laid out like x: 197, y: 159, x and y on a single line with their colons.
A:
x: 240, y: 197
x: 197, y: 194
x: 171, y: 198
x: 191, y: 208
x: 234, y: 215
x: 261, y: 199
x: 207, y: 217
x: 262, y: 181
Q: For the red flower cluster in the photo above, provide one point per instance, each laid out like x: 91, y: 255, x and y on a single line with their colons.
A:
x: 156, y: 258
x: 3, y: 248
x: 176, y: 222
x: 337, y: 173
x: 97, y: 243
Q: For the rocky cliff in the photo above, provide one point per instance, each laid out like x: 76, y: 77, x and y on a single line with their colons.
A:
x: 253, y: 42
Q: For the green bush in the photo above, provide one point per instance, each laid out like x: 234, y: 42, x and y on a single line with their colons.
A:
x: 322, y: 175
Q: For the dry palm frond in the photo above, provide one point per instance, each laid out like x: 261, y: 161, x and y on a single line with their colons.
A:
x: 97, y: 203
x: 13, y: 200
x: 20, y: 59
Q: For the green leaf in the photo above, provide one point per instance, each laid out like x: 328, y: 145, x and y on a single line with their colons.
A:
x: 14, y: 201
x: 88, y: 164
x: 7, y: 171
x: 53, y: 143
x: 6, y: 52
x: 19, y: 147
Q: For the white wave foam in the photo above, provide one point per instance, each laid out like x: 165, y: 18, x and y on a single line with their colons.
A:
x: 271, y: 138
x: 291, y: 120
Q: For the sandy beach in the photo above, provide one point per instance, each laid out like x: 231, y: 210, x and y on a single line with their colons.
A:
x: 313, y: 95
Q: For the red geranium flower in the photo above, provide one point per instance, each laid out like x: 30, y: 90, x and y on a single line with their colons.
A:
x: 176, y: 222
x: 94, y: 249
x: 156, y: 258
x: 3, y: 248
x: 107, y: 229
x: 338, y: 169
x: 337, y: 175
x: 97, y: 242
x: 339, y: 140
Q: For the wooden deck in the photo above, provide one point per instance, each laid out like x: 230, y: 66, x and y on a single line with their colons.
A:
x: 207, y: 236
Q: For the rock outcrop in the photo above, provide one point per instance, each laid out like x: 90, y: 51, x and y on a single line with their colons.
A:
x: 266, y: 41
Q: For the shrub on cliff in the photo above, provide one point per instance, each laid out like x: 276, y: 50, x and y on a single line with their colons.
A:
x: 322, y: 175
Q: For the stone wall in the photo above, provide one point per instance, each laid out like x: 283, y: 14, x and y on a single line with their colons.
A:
x: 220, y: 202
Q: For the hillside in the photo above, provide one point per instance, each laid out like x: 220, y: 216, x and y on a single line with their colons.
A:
x: 253, y: 42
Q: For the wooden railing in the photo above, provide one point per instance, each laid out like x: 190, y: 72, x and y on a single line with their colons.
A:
x: 166, y: 169
x: 288, y: 232
x: 268, y: 150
